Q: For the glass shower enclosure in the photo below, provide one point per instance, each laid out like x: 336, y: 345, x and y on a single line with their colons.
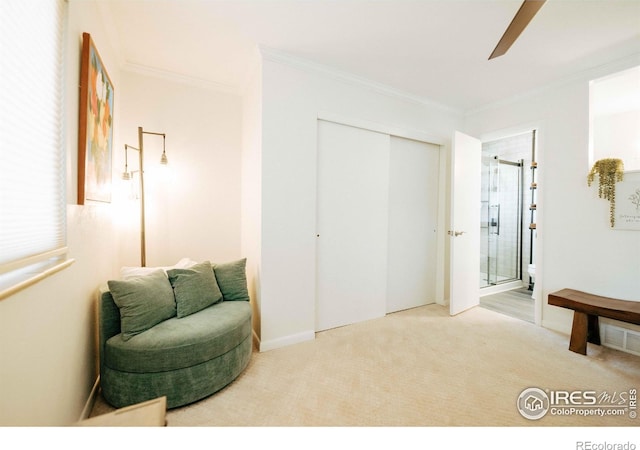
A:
x: 501, y: 221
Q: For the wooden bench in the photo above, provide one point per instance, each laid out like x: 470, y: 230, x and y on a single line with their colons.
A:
x: 587, y: 308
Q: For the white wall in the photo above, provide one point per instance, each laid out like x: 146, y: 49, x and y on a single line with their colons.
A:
x: 577, y: 249
x: 293, y: 97
x: 192, y: 210
x: 618, y: 136
x: 47, y: 332
x: 251, y: 215
x: 615, y: 115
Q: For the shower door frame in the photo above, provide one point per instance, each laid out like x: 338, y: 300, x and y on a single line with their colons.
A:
x: 519, y: 231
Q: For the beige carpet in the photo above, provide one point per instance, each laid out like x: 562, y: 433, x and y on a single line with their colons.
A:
x: 418, y: 367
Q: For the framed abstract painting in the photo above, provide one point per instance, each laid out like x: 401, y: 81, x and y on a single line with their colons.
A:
x: 95, y: 131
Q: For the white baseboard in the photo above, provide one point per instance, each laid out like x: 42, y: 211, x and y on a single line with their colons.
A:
x: 256, y: 339
x: 287, y: 340
x: 88, y: 406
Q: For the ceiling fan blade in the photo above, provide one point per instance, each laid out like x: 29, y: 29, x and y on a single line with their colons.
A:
x: 527, y: 10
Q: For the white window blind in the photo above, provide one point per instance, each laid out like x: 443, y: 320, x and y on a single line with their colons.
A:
x: 32, y: 170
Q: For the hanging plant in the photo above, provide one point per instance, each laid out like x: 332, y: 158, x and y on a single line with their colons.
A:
x: 609, y: 171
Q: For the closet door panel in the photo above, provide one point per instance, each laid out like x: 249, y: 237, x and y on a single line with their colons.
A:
x: 413, y: 215
x: 352, y: 224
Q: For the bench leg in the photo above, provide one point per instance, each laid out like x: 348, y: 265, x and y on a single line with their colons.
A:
x: 578, y: 342
x: 593, y: 330
x: 585, y: 329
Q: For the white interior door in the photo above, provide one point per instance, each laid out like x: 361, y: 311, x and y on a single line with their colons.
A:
x: 352, y: 224
x: 413, y: 219
x: 464, y: 234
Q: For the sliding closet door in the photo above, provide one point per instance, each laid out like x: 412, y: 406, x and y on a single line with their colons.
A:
x: 413, y: 218
x: 352, y: 224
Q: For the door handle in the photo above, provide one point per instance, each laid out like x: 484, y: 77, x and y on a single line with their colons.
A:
x: 455, y: 233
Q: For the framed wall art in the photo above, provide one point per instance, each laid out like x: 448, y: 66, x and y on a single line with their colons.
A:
x: 628, y: 202
x: 95, y: 130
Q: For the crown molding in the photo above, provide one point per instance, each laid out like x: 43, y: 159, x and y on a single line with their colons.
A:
x: 585, y: 76
x: 277, y: 56
x: 104, y: 10
x: 180, y: 78
x: 403, y: 132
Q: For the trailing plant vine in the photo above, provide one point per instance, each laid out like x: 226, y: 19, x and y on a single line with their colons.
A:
x: 609, y: 171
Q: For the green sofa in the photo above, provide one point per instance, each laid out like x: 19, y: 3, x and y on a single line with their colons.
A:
x: 158, y: 341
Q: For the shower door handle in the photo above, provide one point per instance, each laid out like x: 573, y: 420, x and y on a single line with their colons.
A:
x: 495, y: 221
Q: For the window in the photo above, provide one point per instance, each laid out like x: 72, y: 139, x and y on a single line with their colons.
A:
x: 615, y: 118
x: 32, y: 182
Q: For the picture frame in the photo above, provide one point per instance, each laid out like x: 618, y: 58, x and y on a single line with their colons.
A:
x: 95, y: 130
x: 628, y: 202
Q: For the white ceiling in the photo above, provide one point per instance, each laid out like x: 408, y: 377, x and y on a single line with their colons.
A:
x: 432, y: 49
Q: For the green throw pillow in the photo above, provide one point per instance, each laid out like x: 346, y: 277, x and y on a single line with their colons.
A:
x: 194, y: 288
x: 143, y: 301
x: 232, y: 279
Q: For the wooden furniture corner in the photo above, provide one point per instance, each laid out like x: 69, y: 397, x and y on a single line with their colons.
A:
x: 151, y: 413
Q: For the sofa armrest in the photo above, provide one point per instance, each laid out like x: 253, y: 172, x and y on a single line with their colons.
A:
x: 108, y: 319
